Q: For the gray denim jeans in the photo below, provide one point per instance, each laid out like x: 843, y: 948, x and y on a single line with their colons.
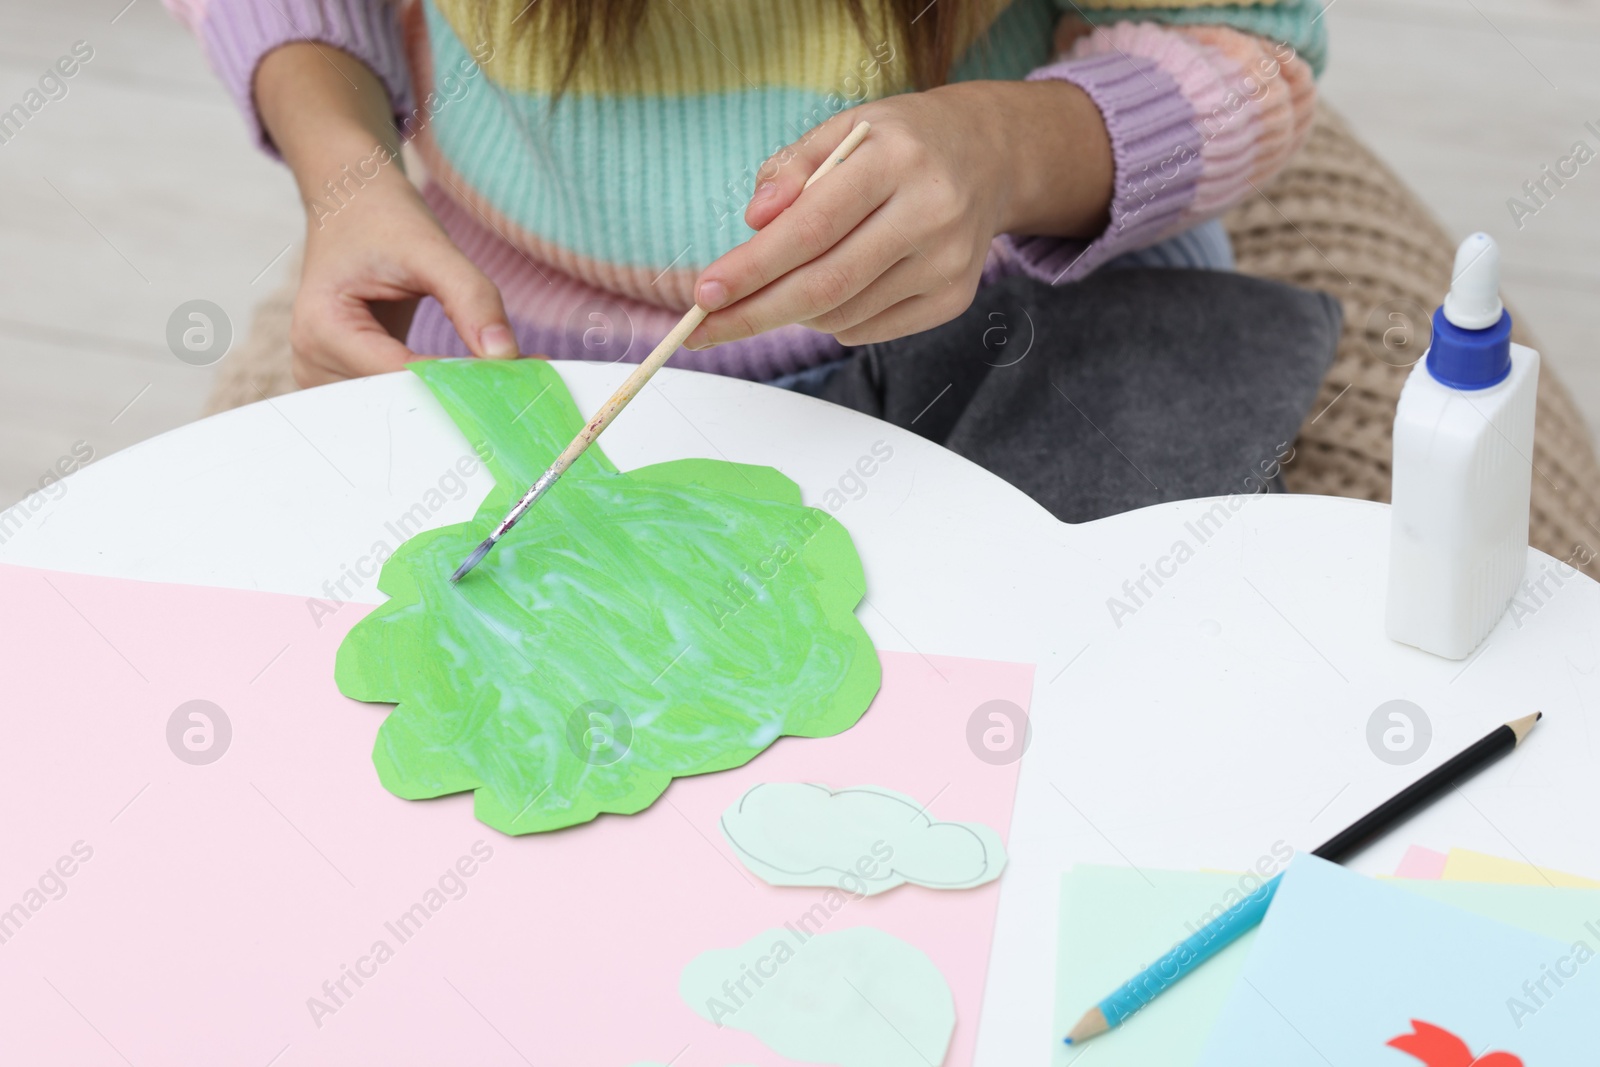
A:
x: 1205, y: 247
x: 1132, y: 387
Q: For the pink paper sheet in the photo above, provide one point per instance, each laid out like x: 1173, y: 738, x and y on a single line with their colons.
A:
x: 217, y: 899
x: 1421, y: 863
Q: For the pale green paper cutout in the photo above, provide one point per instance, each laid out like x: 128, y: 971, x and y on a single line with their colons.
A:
x: 633, y: 628
x: 864, y: 840
x: 856, y: 998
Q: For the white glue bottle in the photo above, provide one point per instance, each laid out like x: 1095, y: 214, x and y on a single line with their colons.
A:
x: 1463, y: 465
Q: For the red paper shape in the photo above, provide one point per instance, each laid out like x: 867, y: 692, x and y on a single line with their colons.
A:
x: 1438, y: 1047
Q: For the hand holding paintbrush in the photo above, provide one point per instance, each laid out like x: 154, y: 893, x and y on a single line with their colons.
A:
x: 628, y: 390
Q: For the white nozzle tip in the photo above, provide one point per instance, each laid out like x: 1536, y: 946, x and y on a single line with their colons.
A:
x: 1474, y: 300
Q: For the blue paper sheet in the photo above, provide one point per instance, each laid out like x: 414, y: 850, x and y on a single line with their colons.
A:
x: 1344, y: 967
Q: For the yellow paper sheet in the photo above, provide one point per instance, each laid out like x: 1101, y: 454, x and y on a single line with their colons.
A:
x: 1465, y: 865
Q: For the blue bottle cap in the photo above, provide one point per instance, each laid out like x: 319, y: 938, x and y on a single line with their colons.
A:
x: 1470, y: 359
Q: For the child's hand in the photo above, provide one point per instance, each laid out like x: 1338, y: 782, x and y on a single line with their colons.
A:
x: 894, y: 240
x: 366, y: 268
x: 374, y: 249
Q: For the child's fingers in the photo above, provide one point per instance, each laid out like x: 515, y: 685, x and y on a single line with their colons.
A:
x: 332, y: 343
x: 817, y: 221
x: 780, y: 179
x: 912, y: 315
x: 905, y: 279
x: 811, y: 290
x: 470, y: 300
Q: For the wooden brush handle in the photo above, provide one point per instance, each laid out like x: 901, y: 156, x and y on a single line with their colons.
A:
x: 629, y: 389
x: 671, y: 343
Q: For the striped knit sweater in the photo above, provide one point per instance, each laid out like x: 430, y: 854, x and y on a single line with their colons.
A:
x: 595, y: 217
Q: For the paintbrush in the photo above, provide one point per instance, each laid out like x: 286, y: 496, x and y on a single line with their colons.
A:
x: 627, y: 391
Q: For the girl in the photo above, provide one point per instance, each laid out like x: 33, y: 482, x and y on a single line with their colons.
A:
x: 592, y: 165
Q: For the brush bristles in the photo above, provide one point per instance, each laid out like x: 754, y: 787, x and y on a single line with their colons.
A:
x: 472, y: 560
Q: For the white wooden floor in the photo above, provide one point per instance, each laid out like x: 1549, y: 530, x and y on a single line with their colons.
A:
x: 139, y: 190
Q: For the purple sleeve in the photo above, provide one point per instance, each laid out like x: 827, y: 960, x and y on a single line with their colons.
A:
x: 237, y: 34
x: 1155, y: 145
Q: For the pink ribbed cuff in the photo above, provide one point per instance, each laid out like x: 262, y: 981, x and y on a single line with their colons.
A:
x: 1208, y: 77
x: 237, y: 34
x: 1156, y: 149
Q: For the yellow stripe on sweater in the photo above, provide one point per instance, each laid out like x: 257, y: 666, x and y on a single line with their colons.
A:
x: 690, y: 47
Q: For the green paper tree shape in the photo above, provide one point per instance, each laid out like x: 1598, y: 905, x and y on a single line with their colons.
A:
x: 633, y: 628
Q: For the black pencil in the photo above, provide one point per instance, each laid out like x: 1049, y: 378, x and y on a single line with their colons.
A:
x: 1426, y: 789
x: 1128, y: 999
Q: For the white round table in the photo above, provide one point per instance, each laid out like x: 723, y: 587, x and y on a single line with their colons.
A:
x: 1206, y: 670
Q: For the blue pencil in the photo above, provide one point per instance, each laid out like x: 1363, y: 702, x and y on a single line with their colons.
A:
x: 1185, y: 956
x: 1244, y: 916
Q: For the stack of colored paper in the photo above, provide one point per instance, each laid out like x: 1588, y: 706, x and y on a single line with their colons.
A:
x: 1345, y: 969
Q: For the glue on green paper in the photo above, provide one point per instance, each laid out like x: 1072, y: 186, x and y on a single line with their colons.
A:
x: 635, y: 627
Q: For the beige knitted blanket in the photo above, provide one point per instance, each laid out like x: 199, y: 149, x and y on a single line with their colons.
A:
x: 1336, y: 219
